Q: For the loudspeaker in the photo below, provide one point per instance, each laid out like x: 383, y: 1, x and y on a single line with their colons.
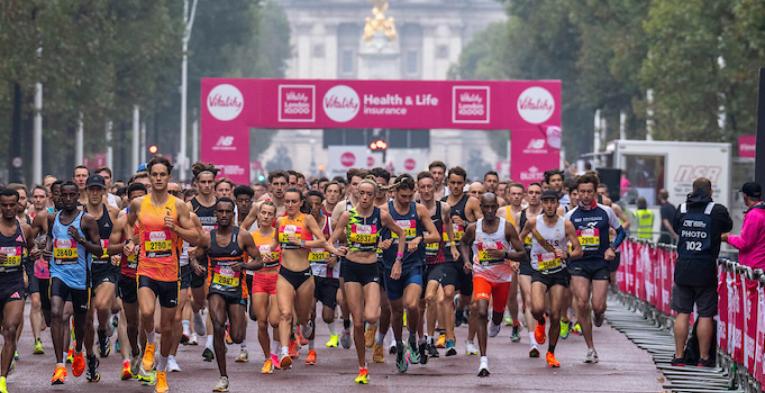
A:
x: 611, y: 177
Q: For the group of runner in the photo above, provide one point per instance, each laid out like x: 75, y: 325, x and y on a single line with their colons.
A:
x: 428, y: 253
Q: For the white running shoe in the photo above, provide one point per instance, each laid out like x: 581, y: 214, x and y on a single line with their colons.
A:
x: 494, y: 329
x: 172, y: 365
x: 222, y: 385
x: 470, y: 348
x: 193, y: 340
x: 483, y: 369
x: 199, y: 324
x: 592, y: 356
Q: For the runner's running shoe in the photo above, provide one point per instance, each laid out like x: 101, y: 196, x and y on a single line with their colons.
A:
x: 311, y: 358
x: 534, y: 351
x: 161, y: 384
x: 369, y: 335
x: 551, y: 360
x: 222, y: 385
x: 78, y: 364
x: 208, y: 355
x: 59, y: 376
x: 432, y: 351
x: 515, y: 335
x: 148, y: 357
x: 333, y: 341
x: 451, y: 350
x: 38, y: 347
x: 402, y: 363
x: 539, y: 333
x: 565, y: 329
x: 422, y: 348
x: 470, y: 348
x: 172, y: 365
x: 126, y: 374
x: 243, y: 356
x: 591, y: 357
x: 378, y: 353
x: 268, y: 367
x: 104, y: 346
x: 597, y: 320
x: 483, y: 368
x: 494, y: 329
x: 345, y: 339
x: 285, y: 362
x: 441, y: 342
x: 92, y: 375
x: 577, y: 329
x: 294, y: 349
x: 363, y: 377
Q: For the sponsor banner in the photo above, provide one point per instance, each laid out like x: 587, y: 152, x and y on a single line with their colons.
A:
x: 230, y: 107
x: 747, y: 146
x: 532, y: 152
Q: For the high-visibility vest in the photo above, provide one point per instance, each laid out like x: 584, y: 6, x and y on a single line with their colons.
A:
x: 644, y: 224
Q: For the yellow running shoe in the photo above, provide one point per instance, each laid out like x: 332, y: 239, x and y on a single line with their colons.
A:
x: 59, y: 376
x: 441, y: 342
x: 161, y: 386
x: 148, y: 357
x: 369, y: 336
x: 38, y: 347
x: 333, y: 341
x: 3, y: 385
x: 378, y: 353
x: 363, y: 377
x: 268, y: 367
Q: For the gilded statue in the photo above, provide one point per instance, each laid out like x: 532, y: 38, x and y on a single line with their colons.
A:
x: 379, y: 23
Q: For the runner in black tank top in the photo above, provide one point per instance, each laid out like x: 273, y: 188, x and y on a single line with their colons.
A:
x: 227, y: 289
x: 15, y: 243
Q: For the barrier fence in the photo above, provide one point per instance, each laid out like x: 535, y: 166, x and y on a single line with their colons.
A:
x: 646, y: 276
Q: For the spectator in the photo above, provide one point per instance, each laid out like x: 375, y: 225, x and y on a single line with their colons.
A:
x: 751, y: 242
x: 667, y: 214
x: 700, y: 223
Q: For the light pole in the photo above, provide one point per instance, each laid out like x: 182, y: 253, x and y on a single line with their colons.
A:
x: 188, y: 21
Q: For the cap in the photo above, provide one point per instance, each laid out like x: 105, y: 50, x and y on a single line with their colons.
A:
x: 141, y: 167
x: 95, y: 181
x: 550, y: 194
x: 752, y: 190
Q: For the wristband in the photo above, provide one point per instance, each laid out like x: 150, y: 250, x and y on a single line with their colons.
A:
x: 399, y: 255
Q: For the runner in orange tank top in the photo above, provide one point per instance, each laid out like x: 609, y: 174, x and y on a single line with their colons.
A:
x: 163, y: 221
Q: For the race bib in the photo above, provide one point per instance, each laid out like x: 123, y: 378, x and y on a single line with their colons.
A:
x: 409, y: 227
x: 363, y: 234
x: 158, y: 243
x: 483, y: 255
x: 65, y: 251
x: 287, y: 231
x: 547, y: 261
x: 318, y: 255
x: 431, y: 248
x: 132, y: 262
x: 12, y: 256
x: 105, y: 255
x: 225, y: 276
x: 588, y: 237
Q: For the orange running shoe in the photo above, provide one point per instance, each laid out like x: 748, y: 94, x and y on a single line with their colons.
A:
x: 551, y: 360
x: 161, y: 385
x: 78, y: 364
x: 268, y: 367
x: 228, y: 338
x: 59, y: 376
x: 539, y: 333
x: 69, y: 355
x: 148, y: 357
x: 311, y: 358
x: 294, y: 349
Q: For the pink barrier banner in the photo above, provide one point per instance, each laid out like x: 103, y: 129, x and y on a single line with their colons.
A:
x: 722, y: 304
x: 737, y: 334
x: 230, y: 107
x: 747, y: 145
x: 750, y: 322
x: 759, y: 348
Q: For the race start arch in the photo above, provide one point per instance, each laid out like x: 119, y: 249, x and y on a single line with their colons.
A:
x: 531, y: 110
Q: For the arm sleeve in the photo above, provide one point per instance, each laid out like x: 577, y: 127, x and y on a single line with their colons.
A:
x: 621, y: 234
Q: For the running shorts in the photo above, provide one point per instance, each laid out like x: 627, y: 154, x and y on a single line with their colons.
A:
x: 325, y: 291
x: 362, y: 273
x: 444, y: 273
x: 562, y: 278
x: 128, y: 289
x: 497, y: 292
x: 409, y: 275
x: 80, y: 297
x: 592, y: 269
x: 166, y: 291
x: 264, y: 283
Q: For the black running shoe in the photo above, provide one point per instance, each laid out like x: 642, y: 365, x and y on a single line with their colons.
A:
x: 92, y: 374
x: 423, y: 349
x: 433, y: 351
x: 678, y: 362
x: 709, y: 363
x: 208, y: 355
x: 104, y: 345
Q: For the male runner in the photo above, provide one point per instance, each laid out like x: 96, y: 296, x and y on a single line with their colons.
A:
x: 80, y: 177
x: 404, y: 278
x: 464, y: 209
x: 550, y: 236
x: 227, y: 285
x: 103, y: 272
x: 203, y: 206
x: 111, y: 199
x: 39, y: 207
x: 441, y: 275
x: 16, y: 244
x: 163, y: 221
x: 590, y: 274
x: 243, y: 196
x: 72, y: 238
x: 491, y: 183
x: 493, y: 264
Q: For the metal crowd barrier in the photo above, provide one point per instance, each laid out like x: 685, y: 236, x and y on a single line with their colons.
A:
x: 644, y: 280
